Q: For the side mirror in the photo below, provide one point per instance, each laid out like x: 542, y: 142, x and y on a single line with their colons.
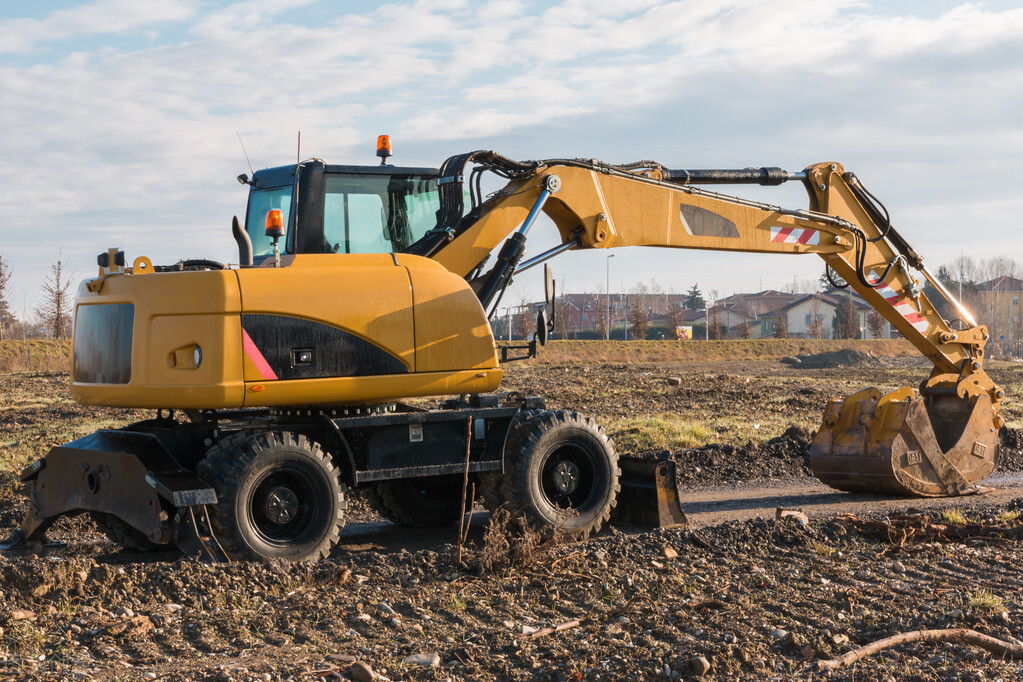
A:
x: 549, y: 296
x: 541, y: 327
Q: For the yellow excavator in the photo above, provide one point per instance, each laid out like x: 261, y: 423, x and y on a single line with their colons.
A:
x: 278, y: 383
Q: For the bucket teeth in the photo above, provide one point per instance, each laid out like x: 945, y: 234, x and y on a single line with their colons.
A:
x: 934, y: 446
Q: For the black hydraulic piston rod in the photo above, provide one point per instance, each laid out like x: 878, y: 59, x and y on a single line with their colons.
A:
x: 740, y: 176
x: 511, y: 253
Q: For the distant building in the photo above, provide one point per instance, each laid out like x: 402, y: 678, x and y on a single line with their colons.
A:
x: 999, y: 303
x: 744, y: 315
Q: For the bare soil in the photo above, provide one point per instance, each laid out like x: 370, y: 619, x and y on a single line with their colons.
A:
x: 750, y: 596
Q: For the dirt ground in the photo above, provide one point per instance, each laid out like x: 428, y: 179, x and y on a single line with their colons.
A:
x: 749, y: 598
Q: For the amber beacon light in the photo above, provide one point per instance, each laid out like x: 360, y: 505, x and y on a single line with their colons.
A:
x: 384, y: 148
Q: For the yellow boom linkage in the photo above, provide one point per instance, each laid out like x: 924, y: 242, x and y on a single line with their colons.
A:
x: 940, y: 441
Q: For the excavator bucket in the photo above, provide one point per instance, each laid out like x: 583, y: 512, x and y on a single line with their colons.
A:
x: 649, y: 494
x: 938, y: 445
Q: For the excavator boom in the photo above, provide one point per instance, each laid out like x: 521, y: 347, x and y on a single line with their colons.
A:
x: 940, y: 442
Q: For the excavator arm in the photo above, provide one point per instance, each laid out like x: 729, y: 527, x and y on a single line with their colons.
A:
x: 940, y: 442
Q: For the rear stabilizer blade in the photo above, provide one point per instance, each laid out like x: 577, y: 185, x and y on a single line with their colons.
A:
x: 649, y: 494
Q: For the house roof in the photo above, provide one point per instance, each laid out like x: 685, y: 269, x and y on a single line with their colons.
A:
x: 1002, y: 284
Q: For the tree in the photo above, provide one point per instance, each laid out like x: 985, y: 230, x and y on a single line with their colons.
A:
x: 639, y: 321
x: 815, y: 329
x: 675, y: 318
x: 694, y: 299
x: 561, y: 312
x: 781, y: 327
x: 6, y: 317
x: 846, y: 323
x: 875, y: 323
x: 55, y: 310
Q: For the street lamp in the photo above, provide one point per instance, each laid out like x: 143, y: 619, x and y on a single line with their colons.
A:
x: 607, y: 296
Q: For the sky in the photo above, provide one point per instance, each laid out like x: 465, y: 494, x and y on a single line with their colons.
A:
x: 121, y: 119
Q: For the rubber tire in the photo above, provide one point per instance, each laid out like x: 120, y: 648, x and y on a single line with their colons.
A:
x: 534, y: 449
x: 420, y: 502
x: 238, y: 466
x: 124, y: 534
x: 491, y: 483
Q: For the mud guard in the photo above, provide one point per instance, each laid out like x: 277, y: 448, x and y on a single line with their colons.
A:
x: 129, y: 474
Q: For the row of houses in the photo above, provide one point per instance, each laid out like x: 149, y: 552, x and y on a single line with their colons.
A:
x: 757, y: 315
x: 763, y: 314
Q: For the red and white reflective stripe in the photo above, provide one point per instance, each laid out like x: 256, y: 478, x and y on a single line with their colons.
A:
x: 795, y: 235
x: 262, y: 366
x: 902, y: 306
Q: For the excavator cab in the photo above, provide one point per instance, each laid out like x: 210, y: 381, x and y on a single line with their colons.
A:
x: 341, y: 209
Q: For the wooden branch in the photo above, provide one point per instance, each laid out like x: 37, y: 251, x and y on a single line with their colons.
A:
x: 963, y: 635
x: 567, y: 625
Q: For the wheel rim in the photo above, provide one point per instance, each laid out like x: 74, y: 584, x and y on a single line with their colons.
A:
x: 567, y: 480
x: 285, y: 506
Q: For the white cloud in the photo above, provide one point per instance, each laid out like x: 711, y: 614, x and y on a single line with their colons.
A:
x: 121, y: 136
x: 94, y: 18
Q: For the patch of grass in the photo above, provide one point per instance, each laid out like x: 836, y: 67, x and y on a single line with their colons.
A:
x: 986, y: 601
x: 954, y: 517
x: 658, y: 432
x: 823, y: 549
x: 35, y: 355
x: 1008, y: 516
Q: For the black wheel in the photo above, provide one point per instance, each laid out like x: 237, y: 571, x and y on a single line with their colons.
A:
x: 561, y: 471
x: 124, y: 534
x: 491, y: 483
x: 490, y: 490
x: 279, y: 496
x: 421, y: 502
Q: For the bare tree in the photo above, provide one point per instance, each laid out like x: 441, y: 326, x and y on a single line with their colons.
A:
x: 55, y: 310
x: 801, y: 286
x: 744, y: 325
x: 6, y: 317
x: 639, y: 321
x: 846, y: 322
x: 561, y: 314
x: 675, y: 317
x: 815, y: 328
x: 875, y: 323
x: 713, y: 315
x: 781, y: 329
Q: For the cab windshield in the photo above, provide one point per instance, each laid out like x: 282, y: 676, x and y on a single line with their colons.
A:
x: 260, y: 202
x: 377, y: 213
x: 368, y: 212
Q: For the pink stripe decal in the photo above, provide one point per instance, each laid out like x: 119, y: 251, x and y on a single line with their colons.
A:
x: 783, y: 233
x: 257, y: 358
x: 806, y: 236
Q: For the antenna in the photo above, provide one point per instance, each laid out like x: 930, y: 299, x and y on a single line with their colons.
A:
x: 244, y: 152
x: 298, y: 155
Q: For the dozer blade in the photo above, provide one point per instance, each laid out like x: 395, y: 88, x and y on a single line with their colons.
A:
x: 938, y: 445
x: 649, y: 494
